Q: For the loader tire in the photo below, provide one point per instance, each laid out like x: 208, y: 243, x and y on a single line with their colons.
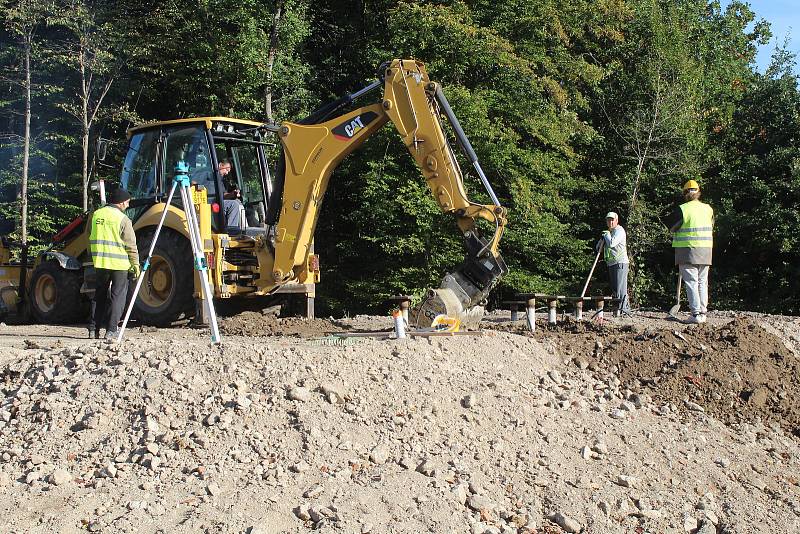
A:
x: 166, y: 292
x: 55, y: 295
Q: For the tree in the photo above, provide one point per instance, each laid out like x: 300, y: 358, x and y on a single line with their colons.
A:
x: 22, y: 20
x: 89, y: 50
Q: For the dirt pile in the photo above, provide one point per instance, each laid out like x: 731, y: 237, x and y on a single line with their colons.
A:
x: 258, y: 324
x: 491, y: 434
x: 738, y: 371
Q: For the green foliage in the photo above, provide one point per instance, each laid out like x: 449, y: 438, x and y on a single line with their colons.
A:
x: 574, y: 107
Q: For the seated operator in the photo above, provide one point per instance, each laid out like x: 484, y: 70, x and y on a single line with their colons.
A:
x: 231, y: 200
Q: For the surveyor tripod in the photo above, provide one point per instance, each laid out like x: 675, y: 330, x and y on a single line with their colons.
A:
x: 181, y: 182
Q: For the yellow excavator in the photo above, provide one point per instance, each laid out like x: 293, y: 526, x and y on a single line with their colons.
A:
x: 257, y: 223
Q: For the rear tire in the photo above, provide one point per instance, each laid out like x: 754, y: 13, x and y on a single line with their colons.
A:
x: 55, y: 295
x: 166, y: 292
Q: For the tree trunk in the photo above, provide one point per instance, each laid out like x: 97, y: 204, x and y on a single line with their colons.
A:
x: 27, y: 146
x: 273, y: 48
x: 85, y: 137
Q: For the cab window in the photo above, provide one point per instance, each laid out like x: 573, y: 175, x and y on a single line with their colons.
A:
x: 139, y: 170
x: 190, y: 146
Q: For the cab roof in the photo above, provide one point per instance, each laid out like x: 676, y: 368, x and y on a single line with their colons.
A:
x: 207, y: 120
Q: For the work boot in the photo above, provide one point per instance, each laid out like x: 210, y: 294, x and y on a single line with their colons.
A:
x: 696, y: 319
x: 701, y: 318
x: 111, y: 337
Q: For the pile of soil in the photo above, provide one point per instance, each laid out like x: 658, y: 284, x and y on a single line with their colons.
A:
x: 259, y: 324
x: 739, y: 371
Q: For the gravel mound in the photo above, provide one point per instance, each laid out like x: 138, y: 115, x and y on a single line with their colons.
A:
x: 488, y: 434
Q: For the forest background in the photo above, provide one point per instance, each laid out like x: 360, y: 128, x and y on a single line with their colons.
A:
x: 575, y: 108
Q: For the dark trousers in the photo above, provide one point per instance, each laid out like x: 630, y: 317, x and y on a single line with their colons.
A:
x: 118, y: 280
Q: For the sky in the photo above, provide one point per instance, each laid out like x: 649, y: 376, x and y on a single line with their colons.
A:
x: 784, y: 19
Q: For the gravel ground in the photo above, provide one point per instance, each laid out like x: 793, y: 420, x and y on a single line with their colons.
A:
x: 496, y: 432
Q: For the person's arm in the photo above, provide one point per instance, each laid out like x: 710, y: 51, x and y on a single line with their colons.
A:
x: 129, y: 238
x: 615, y: 238
x: 674, y: 220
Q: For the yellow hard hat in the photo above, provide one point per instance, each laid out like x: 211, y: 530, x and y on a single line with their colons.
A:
x: 691, y: 184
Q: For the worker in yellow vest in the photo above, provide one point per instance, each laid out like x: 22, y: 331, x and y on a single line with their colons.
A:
x: 112, y: 243
x: 692, y: 226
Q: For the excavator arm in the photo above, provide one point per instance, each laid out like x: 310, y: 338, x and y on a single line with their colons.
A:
x: 314, y: 147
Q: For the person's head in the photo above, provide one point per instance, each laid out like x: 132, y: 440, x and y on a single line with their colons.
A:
x: 119, y: 197
x: 612, y: 220
x: 224, y: 167
x: 691, y: 190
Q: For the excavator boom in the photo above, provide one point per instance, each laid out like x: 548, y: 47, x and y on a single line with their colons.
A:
x: 415, y: 105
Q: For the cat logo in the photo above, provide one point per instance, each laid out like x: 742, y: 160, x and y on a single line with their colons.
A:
x: 347, y: 130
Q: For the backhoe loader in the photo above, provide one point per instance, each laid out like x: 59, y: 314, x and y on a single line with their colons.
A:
x: 257, y: 223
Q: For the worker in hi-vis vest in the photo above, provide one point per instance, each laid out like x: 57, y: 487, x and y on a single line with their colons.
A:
x: 112, y: 244
x: 692, y: 226
x: 615, y: 253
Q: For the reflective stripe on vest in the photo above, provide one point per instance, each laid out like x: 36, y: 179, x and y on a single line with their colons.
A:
x: 697, y: 227
x: 105, y: 243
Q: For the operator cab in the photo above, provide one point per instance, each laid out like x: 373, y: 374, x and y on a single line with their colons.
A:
x: 225, y: 156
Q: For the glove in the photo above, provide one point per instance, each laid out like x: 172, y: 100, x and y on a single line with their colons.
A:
x: 605, y: 232
x: 135, y: 270
x: 599, y: 245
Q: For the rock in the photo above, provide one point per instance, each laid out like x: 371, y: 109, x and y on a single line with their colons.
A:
x: 707, y: 528
x: 586, y: 452
x: 555, y: 376
x: 367, y: 528
x: 406, y: 462
x: 299, y: 393
x: 380, y: 454
x: 314, y: 491
x: 302, y: 512
x: 565, y: 522
x: 600, y: 447
x: 617, y: 413
x: 60, y: 477
x: 212, y: 419
x: 693, y: 406
x: 152, y: 448
x: 460, y: 492
x: 689, y: 523
x: 427, y: 468
x: 37, y: 459
x: 470, y: 401
x: 626, y: 481
x: 333, y: 393
x: 213, y: 489
x: 480, y: 502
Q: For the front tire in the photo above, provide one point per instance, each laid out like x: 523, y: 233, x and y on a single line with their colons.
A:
x: 166, y: 292
x: 55, y: 295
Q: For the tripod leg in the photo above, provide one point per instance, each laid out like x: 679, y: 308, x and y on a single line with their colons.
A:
x: 200, y: 260
x: 146, y: 262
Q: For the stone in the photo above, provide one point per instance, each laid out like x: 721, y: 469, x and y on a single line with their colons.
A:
x: 460, y: 492
x: 617, y: 413
x: 693, y: 406
x: 555, y: 376
x: 299, y: 393
x: 689, y: 523
x: 600, y: 447
x: 152, y: 448
x: 626, y: 481
x: 567, y: 523
x: 60, y: 477
x: 212, y: 419
x: 470, y: 401
x: 379, y: 454
x: 213, y: 489
x: 314, y: 491
x: 480, y: 502
x: 586, y: 452
x: 427, y: 468
x: 37, y: 459
x: 302, y: 512
x: 334, y: 394
x: 367, y: 528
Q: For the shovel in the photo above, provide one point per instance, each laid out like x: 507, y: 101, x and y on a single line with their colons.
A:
x: 586, y: 285
x: 673, y: 311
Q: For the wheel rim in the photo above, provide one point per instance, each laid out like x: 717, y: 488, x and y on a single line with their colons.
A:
x: 46, y: 293
x: 158, y: 284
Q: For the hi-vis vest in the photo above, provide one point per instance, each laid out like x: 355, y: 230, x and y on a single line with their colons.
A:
x: 613, y: 255
x: 105, y: 243
x: 696, y: 230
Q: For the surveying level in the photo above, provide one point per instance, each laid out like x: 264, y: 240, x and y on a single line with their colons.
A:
x: 181, y: 181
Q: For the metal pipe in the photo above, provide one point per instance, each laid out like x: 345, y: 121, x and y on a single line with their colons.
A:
x: 514, y: 312
x: 463, y: 141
